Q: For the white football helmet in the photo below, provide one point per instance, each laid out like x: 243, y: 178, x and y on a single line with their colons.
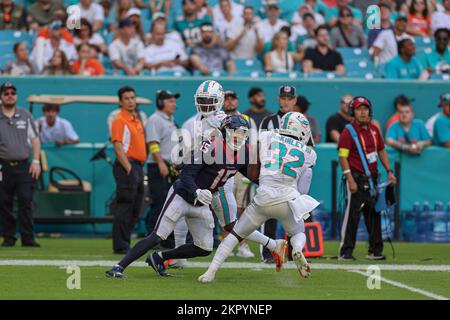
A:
x: 209, y: 97
x: 297, y: 125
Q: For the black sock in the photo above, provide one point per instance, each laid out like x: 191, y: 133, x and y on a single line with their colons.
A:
x: 185, y: 251
x: 140, y: 249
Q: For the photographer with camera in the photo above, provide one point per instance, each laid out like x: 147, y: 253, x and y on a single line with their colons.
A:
x: 161, y: 171
x: 360, y: 145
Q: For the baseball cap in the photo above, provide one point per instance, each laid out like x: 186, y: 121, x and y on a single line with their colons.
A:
x: 358, y: 102
x: 159, y: 15
x: 287, y: 91
x: 166, y: 94
x: 55, y: 25
x: 7, y: 85
x: 253, y: 91
x: 401, y: 16
x: 133, y: 12
x: 207, y: 26
x: 230, y: 93
x: 125, y: 23
x: 303, y: 102
x: 444, y: 98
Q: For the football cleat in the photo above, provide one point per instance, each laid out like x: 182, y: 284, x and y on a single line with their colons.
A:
x: 302, y: 265
x: 116, y: 272
x: 279, y: 253
x: 157, y: 263
x: 175, y: 263
x: 244, y: 251
x: 207, y: 277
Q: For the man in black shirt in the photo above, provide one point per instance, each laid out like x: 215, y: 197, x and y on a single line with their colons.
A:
x: 322, y: 57
x: 257, y: 111
x: 337, y: 122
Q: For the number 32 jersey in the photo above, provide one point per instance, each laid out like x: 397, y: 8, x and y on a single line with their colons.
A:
x: 283, y: 160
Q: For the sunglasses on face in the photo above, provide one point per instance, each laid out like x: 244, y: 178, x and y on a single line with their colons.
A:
x: 7, y: 94
x: 346, y: 16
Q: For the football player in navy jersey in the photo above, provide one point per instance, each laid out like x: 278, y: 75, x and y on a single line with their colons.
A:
x: 212, y: 165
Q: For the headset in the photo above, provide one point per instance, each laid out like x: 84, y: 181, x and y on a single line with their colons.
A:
x: 159, y: 101
x: 355, y: 100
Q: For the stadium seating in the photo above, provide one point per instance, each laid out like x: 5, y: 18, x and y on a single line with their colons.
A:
x: 442, y: 76
x: 324, y: 75
x: 248, y: 64
x: 9, y: 37
x: 354, y: 55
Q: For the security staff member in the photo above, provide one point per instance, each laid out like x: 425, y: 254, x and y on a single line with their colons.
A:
x: 161, y: 173
x: 286, y: 100
x: 358, y: 187
x: 17, y: 175
x: 127, y: 135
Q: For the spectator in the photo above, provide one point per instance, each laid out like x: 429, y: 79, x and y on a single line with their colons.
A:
x: 58, y: 65
x: 127, y: 53
x: 268, y: 27
x: 443, y: 99
x: 441, y: 129
x: 44, y: 49
x: 42, y: 11
x: 224, y: 25
x: 22, y: 65
x: 308, y: 7
x: 209, y: 56
x: 405, y: 65
x: 346, y: 33
x: 337, y: 122
x: 54, y: 129
x: 302, y: 104
x: 399, y: 101
x: 164, y: 54
x: 331, y: 17
x: 134, y: 14
x: 92, y: 12
x: 237, y: 9
x: 118, y: 12
x: 307, y: 40
x: 58, y: 15
x: 13, y: 16
x: 106, y: 5
x: 257, y: 111
x: 385, y: 46
x: 86, y: 35
x: 322, y: 57
x: 189, y: 25
x: 385, y: 17
x: 408, y: 134
x: 86, y: 65
x: 279, y: 59
x: 418, y: 18
x: 243, y: 40
x: 438, y: 59
x: 441, y: 19
x: 174, y: 36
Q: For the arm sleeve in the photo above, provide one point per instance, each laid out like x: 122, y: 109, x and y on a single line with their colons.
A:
x: 152, y: 130
x: 441, y: 131
x: 391, y: 72
x: 70, y: 131
x: 114, y: 54
x: 117, y: 130
x: 345, y: 140
x: 188, y: 175
x: 424, y: 135
x: 32, y: 131
x: 391, y: 133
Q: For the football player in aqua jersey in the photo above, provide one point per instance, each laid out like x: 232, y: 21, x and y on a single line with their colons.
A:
x: 284, y: 156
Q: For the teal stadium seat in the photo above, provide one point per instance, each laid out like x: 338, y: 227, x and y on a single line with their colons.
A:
x: 249, y: 73
x: 166, y: 73
x: 442, y: 76
x: 9, y: 37
x: 350, y: 55
x: 285, y: 75
x: 212, y: 74
x: 423, y: 44
x: 248, y: 64
x: 324, y: 75
x: 361, y: 69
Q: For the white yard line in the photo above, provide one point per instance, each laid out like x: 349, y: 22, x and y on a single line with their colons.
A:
x: 227, y: 265
x: 406, y: 287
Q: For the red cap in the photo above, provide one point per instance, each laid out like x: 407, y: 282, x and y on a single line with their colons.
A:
x: 359, y: 101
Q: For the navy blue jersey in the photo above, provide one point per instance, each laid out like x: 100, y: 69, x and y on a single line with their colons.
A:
x: 211, y: 175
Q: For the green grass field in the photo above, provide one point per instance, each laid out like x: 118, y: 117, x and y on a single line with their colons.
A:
x: 408, y: 277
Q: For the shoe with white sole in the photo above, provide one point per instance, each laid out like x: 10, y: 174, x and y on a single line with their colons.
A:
x: 244, y: 251
x: 177, y: 264
x: 207, y: 277
x: 279, y: 253
x: 302, y: 265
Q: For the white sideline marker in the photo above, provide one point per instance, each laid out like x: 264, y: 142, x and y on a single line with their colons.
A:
x: 404, y: 286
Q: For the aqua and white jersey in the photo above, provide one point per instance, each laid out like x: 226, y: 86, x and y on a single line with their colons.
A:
x: 283, y: 161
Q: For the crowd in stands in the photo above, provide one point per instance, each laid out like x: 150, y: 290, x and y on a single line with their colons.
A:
x: 226, y: 37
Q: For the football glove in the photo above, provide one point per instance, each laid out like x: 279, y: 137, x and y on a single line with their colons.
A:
x: 204, y: 196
